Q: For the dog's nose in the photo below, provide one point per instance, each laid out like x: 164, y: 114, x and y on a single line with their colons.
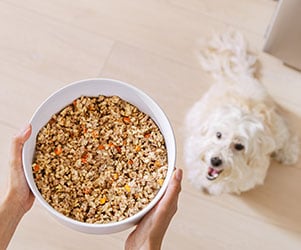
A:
x: 216, y: 161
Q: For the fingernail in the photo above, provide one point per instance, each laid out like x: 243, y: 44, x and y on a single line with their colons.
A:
x: 179, y: 174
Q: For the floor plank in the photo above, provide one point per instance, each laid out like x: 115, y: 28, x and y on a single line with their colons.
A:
x: 168, y: 28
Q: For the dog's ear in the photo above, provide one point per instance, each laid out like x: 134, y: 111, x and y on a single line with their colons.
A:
x: 270, y: 118
x: 266, y: 143
x: 262, y: 148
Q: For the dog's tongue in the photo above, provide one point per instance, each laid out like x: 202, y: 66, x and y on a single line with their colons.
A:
x: 212, y: 171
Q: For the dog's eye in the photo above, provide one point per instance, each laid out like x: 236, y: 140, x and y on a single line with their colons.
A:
x: 218, y: 135
x: 239, y: 147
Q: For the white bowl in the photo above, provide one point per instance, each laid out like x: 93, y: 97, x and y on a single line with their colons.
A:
x: 95, y: 87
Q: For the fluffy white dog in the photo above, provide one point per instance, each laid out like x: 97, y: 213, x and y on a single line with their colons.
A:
x: 235, y: 128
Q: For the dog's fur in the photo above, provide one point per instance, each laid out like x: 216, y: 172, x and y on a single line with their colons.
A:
x: 235, y: 128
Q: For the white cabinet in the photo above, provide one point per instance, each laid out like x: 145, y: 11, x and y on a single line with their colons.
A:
x: 283, y: 39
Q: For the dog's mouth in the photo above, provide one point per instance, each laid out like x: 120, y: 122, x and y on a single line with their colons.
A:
x: 213, y: 173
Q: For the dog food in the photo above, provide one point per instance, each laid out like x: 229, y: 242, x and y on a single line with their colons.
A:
x: 99, y: 160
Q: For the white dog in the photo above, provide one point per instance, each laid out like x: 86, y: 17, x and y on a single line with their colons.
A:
x: 235, y: 129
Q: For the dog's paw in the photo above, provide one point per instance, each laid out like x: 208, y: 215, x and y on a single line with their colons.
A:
x: 289, y: 154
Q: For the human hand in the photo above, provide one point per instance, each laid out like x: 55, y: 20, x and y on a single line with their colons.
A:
x: 19, y: 193
x: 19, y: 198
x: 150, y: 231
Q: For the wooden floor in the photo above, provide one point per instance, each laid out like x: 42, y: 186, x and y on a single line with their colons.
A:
x: 151, y: 44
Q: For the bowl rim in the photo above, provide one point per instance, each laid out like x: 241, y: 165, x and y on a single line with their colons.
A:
x: 134, y: 218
